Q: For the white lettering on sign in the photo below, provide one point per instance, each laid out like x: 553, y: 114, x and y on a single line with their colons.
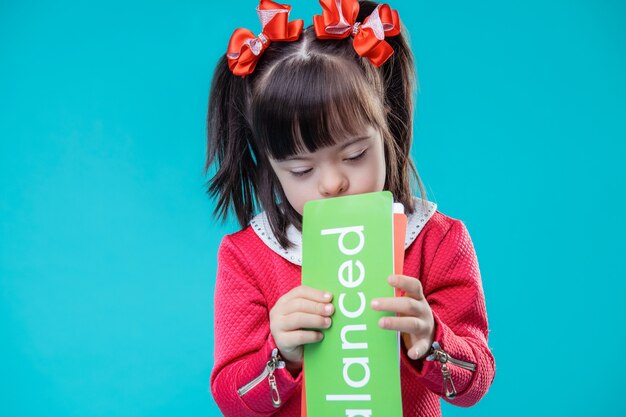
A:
x: 363, y: 362
x: 343, y: 231
x: 358, y: 413
x: 348, y: 280
x: 356, y: 371
x: 352, y: 314
x: 344, y: 338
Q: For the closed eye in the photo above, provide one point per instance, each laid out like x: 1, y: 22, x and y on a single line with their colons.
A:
x: 300, y: 173
x: 358, y: 156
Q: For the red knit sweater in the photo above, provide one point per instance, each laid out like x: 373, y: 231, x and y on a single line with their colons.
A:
x: 251, y: 278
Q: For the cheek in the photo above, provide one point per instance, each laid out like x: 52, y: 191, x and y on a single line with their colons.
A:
x: 297, y: 192
x: 378, y: 171
x: 369, y: 178
x: 378, y: 178
x: 297, y: 196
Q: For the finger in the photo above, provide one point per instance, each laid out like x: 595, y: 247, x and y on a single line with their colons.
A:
x: 309, y: 293
x: 400, y: 305
x: 411, y: 286
x: 291, y: 340
x: 304, y: 305
x: 411, y: 325
x: 418, y: 350
x: 296, y: 321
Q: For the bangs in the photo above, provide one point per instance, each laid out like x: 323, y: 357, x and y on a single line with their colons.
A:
x: 311, y: 102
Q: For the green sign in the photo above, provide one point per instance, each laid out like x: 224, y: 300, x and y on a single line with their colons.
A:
x: 347, y: 249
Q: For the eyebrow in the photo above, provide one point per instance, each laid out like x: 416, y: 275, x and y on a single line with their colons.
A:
x: 341, y: 148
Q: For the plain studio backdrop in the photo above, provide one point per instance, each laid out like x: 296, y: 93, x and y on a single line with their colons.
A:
x: 108, y: 247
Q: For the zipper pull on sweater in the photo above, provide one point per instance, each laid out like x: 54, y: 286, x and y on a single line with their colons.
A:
x: 268, y: 372
x: 437, y: 353
x: 272, y: 365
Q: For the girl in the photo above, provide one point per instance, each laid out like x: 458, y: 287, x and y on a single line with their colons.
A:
x: 300, y: 114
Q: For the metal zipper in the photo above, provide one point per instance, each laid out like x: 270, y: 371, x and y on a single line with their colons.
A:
x: 268, y: 372
x: 436, y: 353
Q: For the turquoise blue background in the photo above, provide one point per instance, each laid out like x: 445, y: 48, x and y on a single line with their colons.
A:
x: 107, y: 245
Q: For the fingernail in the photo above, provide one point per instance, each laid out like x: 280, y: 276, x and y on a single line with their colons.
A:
x: 375, y: 303
x: 327, y: 322
x: 328, y: 308
x: 327, y: 296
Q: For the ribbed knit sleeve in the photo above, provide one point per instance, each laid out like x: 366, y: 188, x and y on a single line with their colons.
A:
x: 243, y: 342
x: 453, y: 288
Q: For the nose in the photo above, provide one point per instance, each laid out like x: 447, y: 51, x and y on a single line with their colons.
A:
x: 333, y: 182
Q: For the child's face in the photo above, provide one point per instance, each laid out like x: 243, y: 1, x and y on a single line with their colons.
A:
x: 352, y: 166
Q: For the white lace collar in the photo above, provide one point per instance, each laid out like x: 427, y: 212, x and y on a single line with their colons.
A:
x: 261, y: 226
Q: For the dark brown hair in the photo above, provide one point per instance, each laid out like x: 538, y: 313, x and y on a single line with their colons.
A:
x: 302, y: 96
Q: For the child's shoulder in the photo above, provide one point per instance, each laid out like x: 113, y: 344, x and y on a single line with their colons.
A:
x: 244, y: 240
x: 441, y: 223
x: 245, y: 251
x: 242, y: 245
x: 441, y: 226
x: 257, y: 240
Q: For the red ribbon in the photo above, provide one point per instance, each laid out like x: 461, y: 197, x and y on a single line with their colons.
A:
x: 245, y: 48
x: 338, y: 21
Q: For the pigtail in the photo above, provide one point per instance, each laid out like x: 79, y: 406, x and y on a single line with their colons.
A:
x: 229, y: 146
x: 399, y: 84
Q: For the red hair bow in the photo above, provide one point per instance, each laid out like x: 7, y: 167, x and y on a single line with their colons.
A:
x: 338, y: 21
x: 245, y: 49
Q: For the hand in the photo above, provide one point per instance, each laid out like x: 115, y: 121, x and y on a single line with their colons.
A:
x: 414, y: 316
x: 292, y: 319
